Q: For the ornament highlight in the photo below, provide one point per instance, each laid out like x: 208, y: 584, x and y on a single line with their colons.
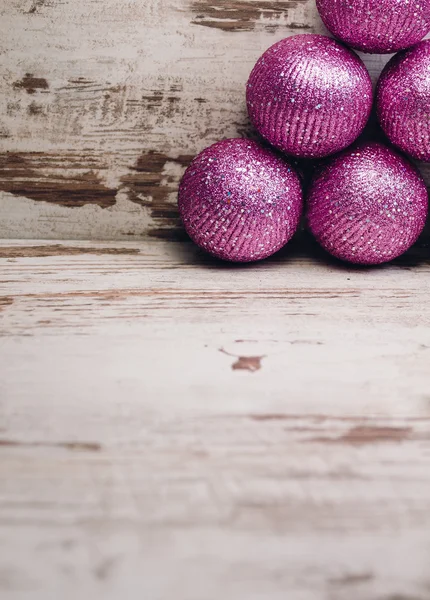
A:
x: 368, y: 205
x: 240, y: 201
x: 309, y: 96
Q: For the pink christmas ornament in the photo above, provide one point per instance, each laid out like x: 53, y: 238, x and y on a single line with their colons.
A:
x: 309, y: 96
x: 378, y: 26
x: 368, y: 206
x: 240, y: 201
x: 403, y: 100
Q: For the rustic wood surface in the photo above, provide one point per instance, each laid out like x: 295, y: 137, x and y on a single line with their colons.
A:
x: 172, y: 427
x: 176, y: 428
x: 104, y: 103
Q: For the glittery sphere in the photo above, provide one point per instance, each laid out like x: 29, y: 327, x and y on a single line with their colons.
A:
x: 239, y: 201
x: 368, y: 206
x: 309, y: 96
x: 378, y: 26
x: 403, y: 100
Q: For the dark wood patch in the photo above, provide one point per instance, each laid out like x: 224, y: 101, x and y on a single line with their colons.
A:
x: 150, y: 184
x: 35, y: 109
x: 5, y: 301
x: 247, y: 363
x: 78, y: 446
x: 48, y: 178
x: 35, y: 6
x: 237, y: 15
x: 371, y: 435
x: 31, y: 84
x: 353, y: 579
x: 81, y: 81
x: 175, y: 234
x: 59, y: 250
x: 153, y: 99
x: 367, y: 434
x: 272, y: 417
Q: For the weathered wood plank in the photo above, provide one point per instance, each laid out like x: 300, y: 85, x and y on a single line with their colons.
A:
x: 103, y: 104
x: 171, y: 426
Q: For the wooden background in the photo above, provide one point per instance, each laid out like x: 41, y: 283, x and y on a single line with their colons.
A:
x: 171, y: 427
x: 104, y: 103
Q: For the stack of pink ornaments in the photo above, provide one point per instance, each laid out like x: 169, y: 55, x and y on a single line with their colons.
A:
x: 310, y: 97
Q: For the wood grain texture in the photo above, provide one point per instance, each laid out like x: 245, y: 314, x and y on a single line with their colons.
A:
x: 174, y: 427
x: 103, y: 105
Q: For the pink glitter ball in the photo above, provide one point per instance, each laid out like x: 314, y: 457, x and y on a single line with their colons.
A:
x: 403, y: 100
x: 239, y: 201
x: 309, y: 96
x: 378, y: 26
x: 368, y: 206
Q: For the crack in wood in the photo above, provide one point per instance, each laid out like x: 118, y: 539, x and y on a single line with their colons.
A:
x: 78, y: 446
x: 60, y: 250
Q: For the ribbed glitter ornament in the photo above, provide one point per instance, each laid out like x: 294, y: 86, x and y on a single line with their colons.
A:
x: 378, y: 26
x: 240, y: 201
x: 309, y: 96
x: 403, y: 100
x: 368, y: 206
